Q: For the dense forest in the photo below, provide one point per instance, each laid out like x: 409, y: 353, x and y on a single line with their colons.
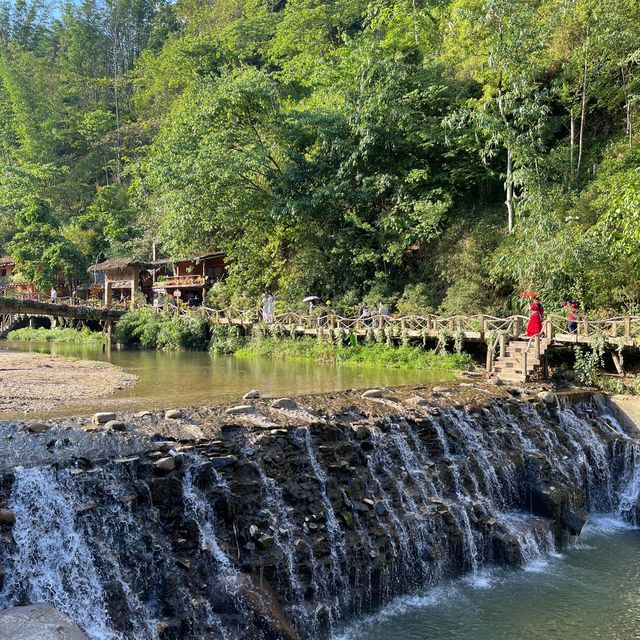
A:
x: 434, y: 154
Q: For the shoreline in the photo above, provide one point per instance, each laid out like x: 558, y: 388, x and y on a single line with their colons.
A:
x: 34, y: 382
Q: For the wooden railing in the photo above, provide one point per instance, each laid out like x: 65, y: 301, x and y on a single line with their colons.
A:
x: 621, y: 329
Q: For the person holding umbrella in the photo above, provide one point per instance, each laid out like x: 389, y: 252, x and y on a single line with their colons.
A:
x: 536, y: 314
x: 311, y: 300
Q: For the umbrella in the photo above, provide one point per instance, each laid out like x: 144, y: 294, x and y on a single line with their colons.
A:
x: 529, y: 294
x: 310, y: 299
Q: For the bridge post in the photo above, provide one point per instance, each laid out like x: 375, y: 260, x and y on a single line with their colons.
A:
x: 108, y: 330
x: 489, y: 362
x: 502, y: 340
x: 517, y: 327
x: 627, y: 327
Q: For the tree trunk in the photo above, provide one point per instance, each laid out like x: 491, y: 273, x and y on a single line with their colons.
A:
x: 509, y: 191
x: 584, y: 106
x: 572, y: 145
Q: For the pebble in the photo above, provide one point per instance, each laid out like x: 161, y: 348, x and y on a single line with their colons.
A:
x: 372, y: 393
x: 103, y: 416
x: 173, y: 414
x: 284, y: 403
x: 251, y: 395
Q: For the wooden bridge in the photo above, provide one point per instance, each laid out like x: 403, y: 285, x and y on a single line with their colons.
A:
x: 14, y: 310
x: 510, y: 355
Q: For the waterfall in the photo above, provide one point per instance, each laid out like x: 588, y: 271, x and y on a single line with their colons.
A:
x: 310, y: 525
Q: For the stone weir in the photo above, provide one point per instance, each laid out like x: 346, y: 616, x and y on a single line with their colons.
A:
x: 284, y: 520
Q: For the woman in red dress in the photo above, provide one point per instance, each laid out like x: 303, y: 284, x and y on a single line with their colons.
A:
x: 536, y: 316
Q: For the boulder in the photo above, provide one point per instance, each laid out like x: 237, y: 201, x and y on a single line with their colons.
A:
x: 143, y: 414
x: 7, y: 517
x: 165, y: 465
x: 240, y: 410
x: 547, y: 396
x: 38, y: 622
x: 37, y: 427
x: 440, y: 390
x: 102, y: 417
x: 173, y: 414
x: 116, y: 425
x: 284, y: 403
x: 251, y: 395
x: 372, y: 393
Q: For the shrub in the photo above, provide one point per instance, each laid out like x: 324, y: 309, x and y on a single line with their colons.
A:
x: 178, y: 333
x: 416, y: 300
x: 69, y: 335
x: 225, y: 340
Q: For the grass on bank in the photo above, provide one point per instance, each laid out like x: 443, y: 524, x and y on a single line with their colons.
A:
x: 67, y: 335
x: 364, y: 355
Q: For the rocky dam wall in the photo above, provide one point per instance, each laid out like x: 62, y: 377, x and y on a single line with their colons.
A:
x: 285, y: 520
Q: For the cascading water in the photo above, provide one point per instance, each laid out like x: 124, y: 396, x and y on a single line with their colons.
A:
x: 286, y: 532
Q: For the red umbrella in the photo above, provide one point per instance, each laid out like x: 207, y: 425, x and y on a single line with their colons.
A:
x: 529, y: 294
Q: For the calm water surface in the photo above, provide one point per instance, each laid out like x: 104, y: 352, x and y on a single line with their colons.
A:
x: 187, y: 378
x: 589, y: 592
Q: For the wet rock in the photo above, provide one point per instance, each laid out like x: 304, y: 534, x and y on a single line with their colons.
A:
x: 116, y: 425
x: 7, y: 517
x: 372, y: 393
x: 38, y: 622
x: 380, y: 509
x: 251, y: 395
x: 165, y: 465
x: 440, y: 390
x: 573, y: 520
x: 37, y: 427
x: 220, y: 462
x: 173, y: 414
x: 241, y: 409
x: 265, y: 541
x: 103, y: 417
x: 143, y: 414
x: 347, y: 518
x: 284, y: 403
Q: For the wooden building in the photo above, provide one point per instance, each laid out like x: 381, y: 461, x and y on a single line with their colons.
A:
x: 124, y: 278
x: 8, y: 283
x: 189, y: 277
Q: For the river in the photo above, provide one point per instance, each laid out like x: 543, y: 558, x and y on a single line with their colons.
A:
x: 168, y: 379
x: 590, y: 591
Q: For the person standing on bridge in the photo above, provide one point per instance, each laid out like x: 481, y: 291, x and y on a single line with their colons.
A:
x: 53, y: 295
x: 536, y: 316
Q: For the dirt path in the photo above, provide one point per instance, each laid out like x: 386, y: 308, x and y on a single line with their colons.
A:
x: 36, y: 382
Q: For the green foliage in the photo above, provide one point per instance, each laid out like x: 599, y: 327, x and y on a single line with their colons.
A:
x: 348, y: 149
x: 146, y: 328
x: 587, y: 363
x: 225, y: 340
x: 79, y: 336
x: 370, y: 354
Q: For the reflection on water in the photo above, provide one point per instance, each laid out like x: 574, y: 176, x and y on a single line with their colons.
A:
x: 186, y: 378
x: 591, y: 592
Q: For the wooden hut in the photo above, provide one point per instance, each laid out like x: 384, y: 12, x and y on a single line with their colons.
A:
x: 124, y: 277
x: 188, y: 277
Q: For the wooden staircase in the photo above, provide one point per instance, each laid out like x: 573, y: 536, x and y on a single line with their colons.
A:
x: 520, y: 359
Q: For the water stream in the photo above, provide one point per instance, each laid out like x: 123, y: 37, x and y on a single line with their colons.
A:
x: 310, y: 530
x: 169, y: 379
